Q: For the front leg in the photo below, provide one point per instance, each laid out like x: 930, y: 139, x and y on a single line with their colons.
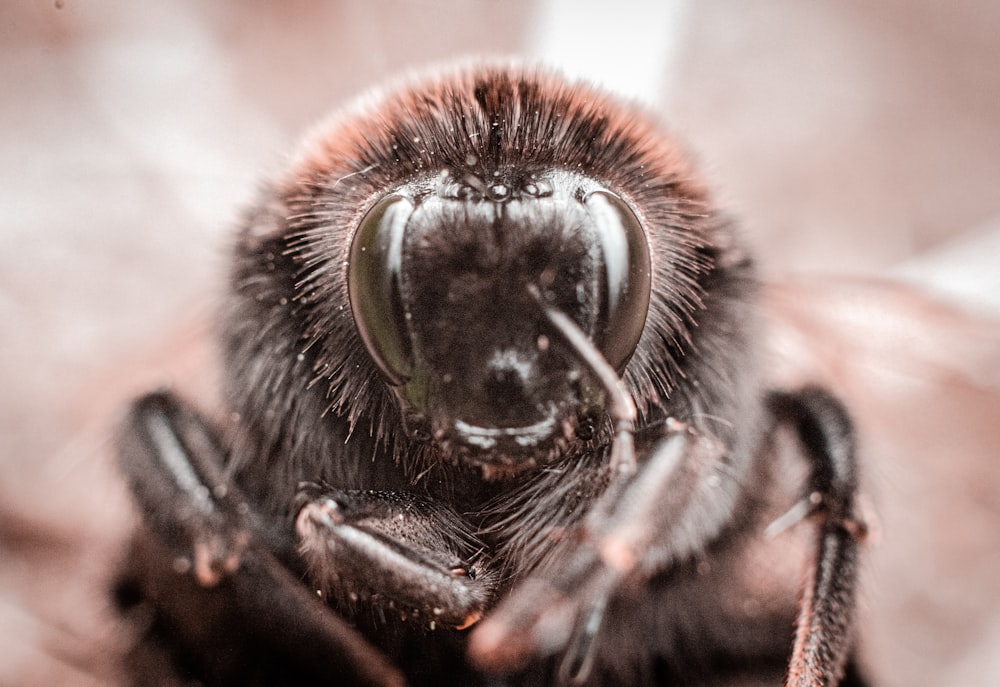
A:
x: 824, y: 625
x: 207, y: 567
x: 640, y: 526
x: 394, y: 550
x: 647, y: 524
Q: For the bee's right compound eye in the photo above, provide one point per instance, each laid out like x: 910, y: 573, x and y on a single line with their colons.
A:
x: 375, y: 287
x: 627, y: 277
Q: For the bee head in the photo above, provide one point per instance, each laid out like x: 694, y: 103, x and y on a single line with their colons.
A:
x: 441, y: 279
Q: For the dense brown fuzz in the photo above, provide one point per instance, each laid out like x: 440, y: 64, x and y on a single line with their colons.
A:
x: 494, y: 117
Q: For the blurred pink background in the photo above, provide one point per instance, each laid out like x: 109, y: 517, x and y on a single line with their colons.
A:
x: 852, y: 138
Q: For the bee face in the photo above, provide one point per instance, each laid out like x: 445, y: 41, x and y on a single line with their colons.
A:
x: 441, y: 277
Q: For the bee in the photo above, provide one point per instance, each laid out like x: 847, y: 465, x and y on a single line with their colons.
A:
x: 495, y: 411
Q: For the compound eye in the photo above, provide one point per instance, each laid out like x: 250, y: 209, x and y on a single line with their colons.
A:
x: 625, y: 253
x: 374, y: 286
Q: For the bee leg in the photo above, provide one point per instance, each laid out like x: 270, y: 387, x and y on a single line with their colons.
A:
x: 205, y: 564
x: 823, y: 638
x: 632, y: 530
x: 411, y: 554
x: 174, y: 467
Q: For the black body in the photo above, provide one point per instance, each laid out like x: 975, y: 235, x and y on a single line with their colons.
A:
x: 414, y: 435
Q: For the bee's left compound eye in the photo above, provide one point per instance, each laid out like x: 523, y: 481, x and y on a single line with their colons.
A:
x: 625, y: 254
x: 375, y: 287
